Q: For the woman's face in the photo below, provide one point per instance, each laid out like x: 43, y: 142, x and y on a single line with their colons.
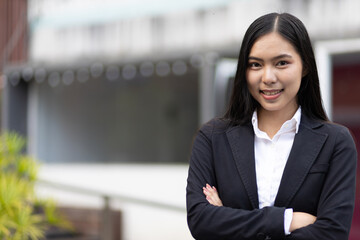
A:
x: 274, y: 74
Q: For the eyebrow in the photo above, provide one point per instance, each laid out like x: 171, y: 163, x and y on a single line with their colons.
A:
x: 274, y: 58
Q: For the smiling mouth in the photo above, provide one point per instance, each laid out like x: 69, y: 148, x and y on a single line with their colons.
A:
x: 271, y: 92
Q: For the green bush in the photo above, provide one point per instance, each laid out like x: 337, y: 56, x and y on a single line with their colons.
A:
x: 22, y: 215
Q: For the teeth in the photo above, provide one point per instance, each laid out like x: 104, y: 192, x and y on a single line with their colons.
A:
x: 270, y: 93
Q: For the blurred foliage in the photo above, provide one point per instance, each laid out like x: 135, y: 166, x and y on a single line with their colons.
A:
x: 22, y: 215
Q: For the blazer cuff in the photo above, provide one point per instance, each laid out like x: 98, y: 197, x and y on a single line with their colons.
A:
x: 275, y: 222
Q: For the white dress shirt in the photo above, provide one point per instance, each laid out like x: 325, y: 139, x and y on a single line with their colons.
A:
x: 270, y: 159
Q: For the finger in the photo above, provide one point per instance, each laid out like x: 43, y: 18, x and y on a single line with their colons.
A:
x: 211, y: 195
x: 214, y: 201
x: 211, y: 189
x: 208, y: 192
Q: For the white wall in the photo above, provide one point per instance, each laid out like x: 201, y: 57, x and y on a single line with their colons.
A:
x: 79, y: 31
x: 161, y: 183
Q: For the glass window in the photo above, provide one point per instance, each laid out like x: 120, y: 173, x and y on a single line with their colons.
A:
x: 109, y: 120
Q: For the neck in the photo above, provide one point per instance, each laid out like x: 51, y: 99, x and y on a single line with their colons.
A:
x: 271, y: 121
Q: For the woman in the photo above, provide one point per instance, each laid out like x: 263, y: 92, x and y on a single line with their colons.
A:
x: 273, y: 167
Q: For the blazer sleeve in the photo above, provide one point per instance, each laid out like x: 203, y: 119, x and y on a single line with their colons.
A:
x: 336, y: 204
x: 209, y: 222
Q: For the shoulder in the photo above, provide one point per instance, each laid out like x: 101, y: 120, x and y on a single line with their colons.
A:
x: 219, y: 129
x: 335, y: 132
x: 215, y: 126
x: 340, y: 132
x: 335, y: 129
x: 326, y: 127
x: 205, y: 135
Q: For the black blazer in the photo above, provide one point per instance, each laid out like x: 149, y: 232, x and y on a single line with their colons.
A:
x: 319, y: 178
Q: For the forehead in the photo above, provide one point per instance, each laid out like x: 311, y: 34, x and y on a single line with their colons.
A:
x: 272, y: 44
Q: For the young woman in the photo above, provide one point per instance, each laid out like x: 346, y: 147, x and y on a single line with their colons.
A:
x: 273, y: 167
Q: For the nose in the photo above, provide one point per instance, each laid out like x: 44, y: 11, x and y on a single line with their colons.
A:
x: 268, y: 76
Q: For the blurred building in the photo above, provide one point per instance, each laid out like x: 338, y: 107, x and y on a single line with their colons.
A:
x: 13, y: 50
x: 99, y: 86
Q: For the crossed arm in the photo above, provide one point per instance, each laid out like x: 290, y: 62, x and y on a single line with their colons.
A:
x: 299, y: 219
x: 210, y: 218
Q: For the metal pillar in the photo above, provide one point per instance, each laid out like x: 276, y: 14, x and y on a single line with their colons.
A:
x: 107, y: 226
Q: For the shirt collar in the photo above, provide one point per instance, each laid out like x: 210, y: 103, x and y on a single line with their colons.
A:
x: 297, y: 118
x: 294, y: 122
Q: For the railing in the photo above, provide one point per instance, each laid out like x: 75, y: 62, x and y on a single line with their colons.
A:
x: 106, y: 232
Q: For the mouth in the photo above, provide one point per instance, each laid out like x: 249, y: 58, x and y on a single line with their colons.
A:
x: 271, y: 92
x: 271, y: 95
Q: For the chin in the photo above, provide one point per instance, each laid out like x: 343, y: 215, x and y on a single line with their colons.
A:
x: 272, y: 108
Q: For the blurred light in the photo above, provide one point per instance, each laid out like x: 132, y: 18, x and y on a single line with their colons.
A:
x: 96, y: 70
x: 82, y: 75
x: 162, y: 68
x: 40, y: 75
x: 54, y: 79
x: 211, y: 57
x: 3, y: 81
x: 27, y: 73
x: 68, y: 77
x: 129, y: 72
x: 197, y: 61
x: 112, y: 73
x: 147, y: 69
x: 179, y: 68
x: 14, y: 78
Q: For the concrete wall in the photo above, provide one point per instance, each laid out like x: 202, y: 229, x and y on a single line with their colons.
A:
x: 71, y: 32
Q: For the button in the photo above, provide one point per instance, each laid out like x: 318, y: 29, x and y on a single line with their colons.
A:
x: 260, y: 236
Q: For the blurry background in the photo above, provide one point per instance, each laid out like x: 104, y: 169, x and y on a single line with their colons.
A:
x: 110, y: 93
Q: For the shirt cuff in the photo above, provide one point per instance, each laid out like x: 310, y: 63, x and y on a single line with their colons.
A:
x: 288, y: 215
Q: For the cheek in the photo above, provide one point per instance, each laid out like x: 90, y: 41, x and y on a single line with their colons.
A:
x: 251, y: 88
x: 298, y: 75
x: 251, y: 83
x: 297, y: 83
x: 293, y: 80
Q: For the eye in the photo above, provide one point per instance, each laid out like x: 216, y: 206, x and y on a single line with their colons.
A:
x: 254, y: 65
x: 282, y: 63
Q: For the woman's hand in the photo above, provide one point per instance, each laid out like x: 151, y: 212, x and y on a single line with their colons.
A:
x: 212, y: 195
x: 301, y: 219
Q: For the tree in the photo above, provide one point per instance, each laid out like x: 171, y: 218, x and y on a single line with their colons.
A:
x: 22, y: 214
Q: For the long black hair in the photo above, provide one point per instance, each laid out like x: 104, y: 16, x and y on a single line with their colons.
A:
x: 242, y: 104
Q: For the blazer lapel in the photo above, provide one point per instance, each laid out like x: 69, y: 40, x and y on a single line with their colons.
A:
x: 241, y: 140
x: 306, y: 147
